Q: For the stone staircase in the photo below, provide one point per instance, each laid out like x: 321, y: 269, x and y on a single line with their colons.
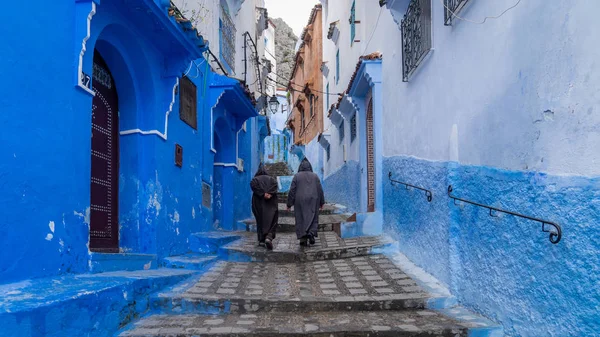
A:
x: 337, y: 287
x: 278, y: 169
x: 330, y: 219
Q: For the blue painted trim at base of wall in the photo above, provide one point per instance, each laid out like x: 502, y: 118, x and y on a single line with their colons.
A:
x: 503, y: 267
x: 343, y: 186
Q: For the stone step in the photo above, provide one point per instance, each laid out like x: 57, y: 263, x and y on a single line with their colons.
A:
x: 210, y: 242
x: 363, y: 323
x: 291, y: 228
x: 287, y: 224
x: 357, y: 284
x: 282, y: 198
x: 286, y: 248
x: 83, y: 304
x: 192, y: 261
x: 328, y: 209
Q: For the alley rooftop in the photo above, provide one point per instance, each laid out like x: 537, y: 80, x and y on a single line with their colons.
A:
x: 455, y: 141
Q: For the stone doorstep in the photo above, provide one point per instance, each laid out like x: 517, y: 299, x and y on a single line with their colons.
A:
x: 362, y: 323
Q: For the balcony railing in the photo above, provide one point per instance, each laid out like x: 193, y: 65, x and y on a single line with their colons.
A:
x: 451, y: 8
x: 416, y: 36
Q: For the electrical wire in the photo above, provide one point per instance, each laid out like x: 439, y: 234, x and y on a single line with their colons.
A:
x: 302, y: 87
x: 373, y: 32
x: 297, y: 90
x: 454, y: 15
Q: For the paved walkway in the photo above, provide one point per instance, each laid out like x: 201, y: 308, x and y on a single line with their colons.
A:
x: 337, y: 287
x: 409, y: 323
x: 328, y: 246
x: 361, y: 279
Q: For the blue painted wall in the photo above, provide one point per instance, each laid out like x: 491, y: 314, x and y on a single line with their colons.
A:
x: 44, y: 227
x: 45, y: 156
x: 503, y: 267
x: 276, y: 148
x: 343, y: 186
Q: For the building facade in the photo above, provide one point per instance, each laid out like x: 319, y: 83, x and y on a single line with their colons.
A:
x: 481, y: 97
x: 306, y: 90
x: 137, y: 139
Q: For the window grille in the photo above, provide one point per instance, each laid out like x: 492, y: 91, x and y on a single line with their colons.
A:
x: 416, y: 36
x: 227, y: 34
x: 451, y: 8
x: 353, y: 128
x: 342, y: 130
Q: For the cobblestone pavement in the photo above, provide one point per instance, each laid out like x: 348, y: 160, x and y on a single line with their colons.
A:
x: 362, y: 283
x: 383, y: 323
x: 286, y: 248
x: 337, y: 287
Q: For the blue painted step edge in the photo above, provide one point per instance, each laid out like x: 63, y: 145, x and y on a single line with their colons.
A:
x: 93, y: 305
x: 105, y: 262
x: 191, y: 261
x: 209, y: 242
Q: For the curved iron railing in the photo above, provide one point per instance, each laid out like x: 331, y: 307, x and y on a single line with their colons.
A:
x: 555, y: 235
x: 428, y: 193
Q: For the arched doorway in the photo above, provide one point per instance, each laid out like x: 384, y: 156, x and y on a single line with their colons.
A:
x: 223, y: 174
x: 104, y: 213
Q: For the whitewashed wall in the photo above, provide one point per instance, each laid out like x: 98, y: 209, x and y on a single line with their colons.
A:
x: 515, y: 92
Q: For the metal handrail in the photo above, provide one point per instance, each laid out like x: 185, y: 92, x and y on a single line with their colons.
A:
x: 554, y: 236
x: 428, y: 193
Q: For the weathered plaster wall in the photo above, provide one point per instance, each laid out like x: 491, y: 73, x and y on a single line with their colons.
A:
x: 314, y: 153
x: 504, y: 111
x: 45, y: 186
x: 503, y: 267
x: 46, y: 195
x: 421, y: 227
x: 530, y: 103
x: 276, y: 148
x: 348, y: 177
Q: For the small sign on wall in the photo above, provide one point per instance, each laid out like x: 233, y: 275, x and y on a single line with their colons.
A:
x: 206, y: 195
x: 178, y: 155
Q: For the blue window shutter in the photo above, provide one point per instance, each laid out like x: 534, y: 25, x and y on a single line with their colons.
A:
x: 352, y: 22
x: 337, y: 67
x: 327, y: 93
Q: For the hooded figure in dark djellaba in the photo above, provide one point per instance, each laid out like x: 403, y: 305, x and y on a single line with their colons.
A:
x: 306, y: 195
x: 264, y: 206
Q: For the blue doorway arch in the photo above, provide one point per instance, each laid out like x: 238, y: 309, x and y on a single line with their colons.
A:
x: 224, y: 169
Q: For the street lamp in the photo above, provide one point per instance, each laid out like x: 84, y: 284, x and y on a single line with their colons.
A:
x: 273, y: 104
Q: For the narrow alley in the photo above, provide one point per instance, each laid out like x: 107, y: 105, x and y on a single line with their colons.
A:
x: 334, y: 168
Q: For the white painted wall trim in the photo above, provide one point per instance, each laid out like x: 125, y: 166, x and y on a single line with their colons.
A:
x: 226, y: 164
x: 156, y: 132
x: 84, y: 49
